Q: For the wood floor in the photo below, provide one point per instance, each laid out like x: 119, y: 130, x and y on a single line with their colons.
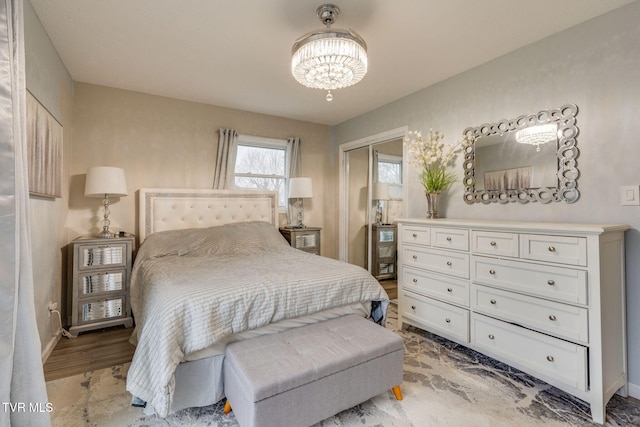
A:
x: 90, y: 351
x: 109, y: 347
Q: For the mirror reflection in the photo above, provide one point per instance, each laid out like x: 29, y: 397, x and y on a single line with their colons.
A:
x: 527, y: 159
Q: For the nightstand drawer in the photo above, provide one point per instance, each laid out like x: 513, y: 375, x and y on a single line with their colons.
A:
x: 92, y: 283
x: 98, y: 256
x: 100, y: 310
x: 554, y: 318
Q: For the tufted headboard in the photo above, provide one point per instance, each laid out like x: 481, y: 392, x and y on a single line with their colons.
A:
x: 162, y: 209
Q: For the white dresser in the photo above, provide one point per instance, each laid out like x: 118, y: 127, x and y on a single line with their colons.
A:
x: 546, y: 298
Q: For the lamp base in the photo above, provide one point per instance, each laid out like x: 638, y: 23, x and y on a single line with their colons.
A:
x: 291, y: 227
x: 105, y: 234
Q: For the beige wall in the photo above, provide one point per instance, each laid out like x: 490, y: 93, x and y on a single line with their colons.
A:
x: 163, y: 142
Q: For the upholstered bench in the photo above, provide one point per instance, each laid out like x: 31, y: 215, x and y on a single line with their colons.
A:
x: 304, y: 375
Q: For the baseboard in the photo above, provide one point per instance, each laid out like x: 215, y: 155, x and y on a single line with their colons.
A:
x: 634, y: 391
x: 48, y: 349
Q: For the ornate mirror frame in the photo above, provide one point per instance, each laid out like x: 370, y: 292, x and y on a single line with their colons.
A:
x: 566, y: 154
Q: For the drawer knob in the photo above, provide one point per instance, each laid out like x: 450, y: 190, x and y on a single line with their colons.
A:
x: 415, y: 280
x: 415, y: 257
x: 492, y: 272
x: 448, y: 239
x: 552, y: 249
x: 491, y: 336
x: 415, y: 235
x: 550, y: 358
x: 447, y: 320
x: 449, y: 263
x: 413, y: 307
x: 552, y: 317
x: 551, y: 282
x: 492, y: 243
x: 493, y: 301
x: 449, y: 290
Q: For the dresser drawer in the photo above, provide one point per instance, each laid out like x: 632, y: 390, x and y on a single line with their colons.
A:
x: 100, y: 255
x: 450, y: 238
x: 442, y: 318
x: 558, y: 283
x: 561, y: 320
x: 417, y: 235
x: 444, y: 288
x: 560, y: 249
x: 447, y: 262
x: 495, y: 243
x: 554, y: 359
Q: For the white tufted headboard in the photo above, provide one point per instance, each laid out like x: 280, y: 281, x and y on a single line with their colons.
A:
x: 164, y: 209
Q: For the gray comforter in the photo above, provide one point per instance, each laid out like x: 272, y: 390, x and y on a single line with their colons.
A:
x: 190, y: 288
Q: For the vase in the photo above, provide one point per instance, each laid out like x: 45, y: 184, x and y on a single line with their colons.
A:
x: 432, y: 204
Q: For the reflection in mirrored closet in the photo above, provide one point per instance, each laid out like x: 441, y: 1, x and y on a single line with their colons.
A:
x: 372, y: 198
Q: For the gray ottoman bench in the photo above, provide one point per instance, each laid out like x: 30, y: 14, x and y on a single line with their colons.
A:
x: 304, y: 375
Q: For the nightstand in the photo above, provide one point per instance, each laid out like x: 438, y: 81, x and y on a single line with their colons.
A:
x: 306, y: 239
x: 100, y: 270
x: 383, y: 250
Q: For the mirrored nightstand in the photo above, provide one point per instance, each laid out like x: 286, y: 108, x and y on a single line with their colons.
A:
x: 306, y: 239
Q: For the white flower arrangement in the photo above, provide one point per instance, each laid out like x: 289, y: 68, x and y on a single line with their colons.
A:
x: 431, y: 157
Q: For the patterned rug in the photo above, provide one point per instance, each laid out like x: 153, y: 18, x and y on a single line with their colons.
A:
x: 445, y: 384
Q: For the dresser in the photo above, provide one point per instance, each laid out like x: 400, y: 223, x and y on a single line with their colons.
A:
x: 100, y: 270
x: 546, y: 298
x: 383, y: 251
x: 306, y: 239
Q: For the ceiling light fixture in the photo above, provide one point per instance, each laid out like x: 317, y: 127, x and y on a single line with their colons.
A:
x: 536, y: 135
x: 329, y: 58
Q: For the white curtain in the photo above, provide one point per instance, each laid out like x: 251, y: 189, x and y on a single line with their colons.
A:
x: 295, y: 166
x: 22, y: 385
x: 226, y: 161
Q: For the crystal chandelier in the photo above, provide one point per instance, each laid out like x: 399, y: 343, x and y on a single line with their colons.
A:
x: 329, y: 58
x: 536, y: 135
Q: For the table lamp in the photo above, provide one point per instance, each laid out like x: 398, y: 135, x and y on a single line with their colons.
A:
x: 380, y: 193
x: 300, y: 188
x: 105, y: 181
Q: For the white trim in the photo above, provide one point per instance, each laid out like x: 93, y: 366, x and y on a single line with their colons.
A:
x: 51, y: 345
x: 261, y: 141
x: 634, y: 390
x: 368, y: 141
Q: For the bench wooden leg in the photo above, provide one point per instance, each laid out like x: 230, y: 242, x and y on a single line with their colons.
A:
x: 397, y: 392
x: 227, y: 407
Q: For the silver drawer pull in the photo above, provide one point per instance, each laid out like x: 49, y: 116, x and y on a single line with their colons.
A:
x: 413, y: 307
x: 492, y: 301
x: 415, y: 280
x: 449, y: 263
x: 448, y: 239
x: 415, y: 235
x: 447, y: 320
x: 491, y: 336
x: 552, y: 249
x: 552, y: 317
x: 493, y: 243
x: 551, y: 282
x: 449, y: 290
x: 415, y: 257
x: 550, y: 358
x: 492, y: 272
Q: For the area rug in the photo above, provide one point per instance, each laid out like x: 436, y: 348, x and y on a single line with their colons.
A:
x: 445, y: 384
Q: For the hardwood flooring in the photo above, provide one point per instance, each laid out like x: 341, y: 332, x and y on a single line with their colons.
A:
x: 90, y: 351
x: 391, y: 286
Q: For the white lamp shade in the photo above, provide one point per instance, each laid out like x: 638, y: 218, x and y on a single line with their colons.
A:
x: 300, y: 188
x: 103, y: 180
x: 380, y: 191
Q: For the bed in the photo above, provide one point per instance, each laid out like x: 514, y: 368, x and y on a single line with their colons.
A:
x: 212, y: 268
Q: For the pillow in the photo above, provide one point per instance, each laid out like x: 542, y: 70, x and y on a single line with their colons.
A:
x: 241, y: 238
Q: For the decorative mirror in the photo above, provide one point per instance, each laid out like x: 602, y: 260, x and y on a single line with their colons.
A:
x: 531, y: 158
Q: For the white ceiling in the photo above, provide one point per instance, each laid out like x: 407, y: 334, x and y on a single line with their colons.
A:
x: 236, y: 53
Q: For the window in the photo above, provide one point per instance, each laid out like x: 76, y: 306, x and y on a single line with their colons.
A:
x: 262, y: 164
x: 390, y: 172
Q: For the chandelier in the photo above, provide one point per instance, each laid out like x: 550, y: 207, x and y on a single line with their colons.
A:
x: 329, y: 58
x: 537, y: 135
